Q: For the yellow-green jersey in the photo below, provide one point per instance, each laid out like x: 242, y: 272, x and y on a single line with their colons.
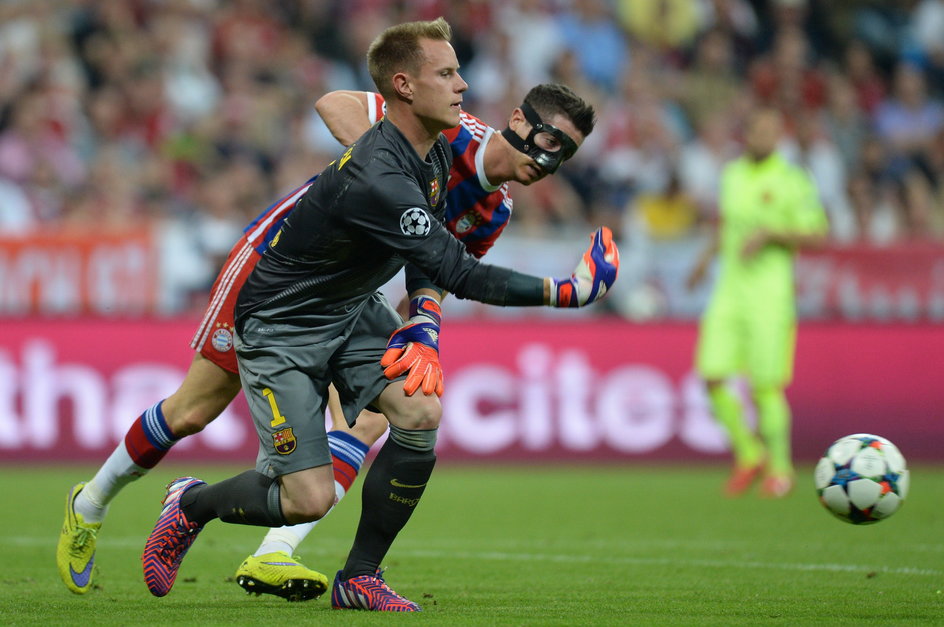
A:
x: 778, y: 197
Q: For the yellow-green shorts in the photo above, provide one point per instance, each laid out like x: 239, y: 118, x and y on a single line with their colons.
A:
x: 759, y: 347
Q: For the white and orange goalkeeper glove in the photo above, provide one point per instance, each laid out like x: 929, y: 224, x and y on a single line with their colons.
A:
x: 592, y: 277
x: 414, y: 348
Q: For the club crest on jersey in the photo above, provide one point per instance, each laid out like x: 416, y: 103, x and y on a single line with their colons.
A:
x: 222, y: 339
x: 468, y: 221
x: 284, y: 441
x: 415, y: 221
x: 434, y: 192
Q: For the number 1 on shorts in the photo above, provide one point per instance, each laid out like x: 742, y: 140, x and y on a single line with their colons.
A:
x: 277, y: 417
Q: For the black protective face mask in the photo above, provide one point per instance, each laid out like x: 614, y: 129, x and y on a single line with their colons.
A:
x: 547, y: 160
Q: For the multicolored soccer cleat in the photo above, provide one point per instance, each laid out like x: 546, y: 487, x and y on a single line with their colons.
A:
x: 741, y: 479
x: 75, y: 553
x: 368, y: 592
x: 170, y: 540
x: 279, y: 574
x: 776, y: 486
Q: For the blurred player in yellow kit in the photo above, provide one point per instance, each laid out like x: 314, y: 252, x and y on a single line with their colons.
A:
x: 769, y: 209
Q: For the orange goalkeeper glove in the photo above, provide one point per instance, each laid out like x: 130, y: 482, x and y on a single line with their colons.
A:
x: 414, y: 348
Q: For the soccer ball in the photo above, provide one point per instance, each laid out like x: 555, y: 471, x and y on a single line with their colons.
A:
x: 862, y: 479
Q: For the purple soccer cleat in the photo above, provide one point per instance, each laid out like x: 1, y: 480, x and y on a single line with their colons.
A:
x: 368, y: 592
x: 172, y: 536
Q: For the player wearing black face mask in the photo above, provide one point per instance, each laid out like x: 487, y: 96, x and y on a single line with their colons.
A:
x: 546, y: 144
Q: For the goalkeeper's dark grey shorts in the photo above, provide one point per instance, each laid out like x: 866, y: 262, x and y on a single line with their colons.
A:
x: 286, y: 381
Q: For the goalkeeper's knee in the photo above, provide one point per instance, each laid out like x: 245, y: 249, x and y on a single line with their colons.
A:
x: 417, y: 412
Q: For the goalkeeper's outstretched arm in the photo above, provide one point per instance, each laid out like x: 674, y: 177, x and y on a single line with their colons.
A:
x: 451, y: 268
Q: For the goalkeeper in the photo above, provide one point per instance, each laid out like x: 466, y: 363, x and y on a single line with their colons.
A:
x: 769, y: 210
x: 478, y: 208
x: 310, y: 314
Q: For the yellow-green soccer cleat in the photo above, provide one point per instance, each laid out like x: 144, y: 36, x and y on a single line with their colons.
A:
x: 281, y: 575
x: 75, y: 554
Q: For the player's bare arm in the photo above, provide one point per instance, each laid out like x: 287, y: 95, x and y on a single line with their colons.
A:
x: 346, y: 114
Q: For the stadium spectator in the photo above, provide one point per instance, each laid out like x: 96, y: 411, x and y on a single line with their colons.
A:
x: 909, y: 120
x: 876, y: 214
x: 858, y: 66
x: 183, y: 42
x: 813, y: 150
x: 534, y: 37
x: 658, y: 235
x: 641, y: 133
x: 803, y: 15
x: 32, y: 143
x: 875, y: 197
x: 787, y: 77
x: 109, y: 198
x: 246, y: 32
x: 710, y: 83
x: 588, y: 29
x: 702, y: 160
x: 739, y: 20
x: 883, y: 27
x: 924, y: 44
x: 844, y: 121
x: 491, y: 67
x: 667, y: 27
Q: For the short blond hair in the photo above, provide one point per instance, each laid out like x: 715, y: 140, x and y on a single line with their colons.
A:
x: 397, y: 49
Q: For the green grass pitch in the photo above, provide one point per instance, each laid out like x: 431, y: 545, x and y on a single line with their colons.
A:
x: 608, y: 545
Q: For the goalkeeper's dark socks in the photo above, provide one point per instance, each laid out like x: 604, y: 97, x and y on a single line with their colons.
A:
x: 392, y: 488
x: 249, y: 498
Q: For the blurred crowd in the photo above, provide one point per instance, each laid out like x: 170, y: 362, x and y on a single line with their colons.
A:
x: 193, y: 115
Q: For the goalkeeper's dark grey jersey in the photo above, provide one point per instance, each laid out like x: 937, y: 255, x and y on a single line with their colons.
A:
x: 370, y: 212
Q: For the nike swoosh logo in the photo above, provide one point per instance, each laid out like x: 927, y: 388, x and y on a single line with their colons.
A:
x: 82, y: 579
x: 397, y: 484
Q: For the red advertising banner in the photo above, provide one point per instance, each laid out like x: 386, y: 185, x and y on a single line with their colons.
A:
x: 78, y: 273
x: 854, y: 283
x: 515, y: 391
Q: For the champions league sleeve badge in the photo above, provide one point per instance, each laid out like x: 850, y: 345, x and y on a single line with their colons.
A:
x: 415, y: 221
